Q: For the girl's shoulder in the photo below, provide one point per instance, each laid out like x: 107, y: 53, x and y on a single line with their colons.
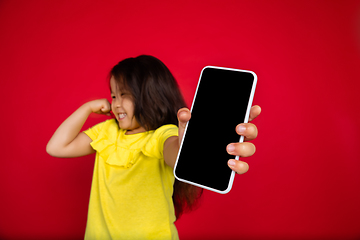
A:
x: 155, y: 144
x: 165, y: 131
x: 104, y: 128
x: 166, y: 128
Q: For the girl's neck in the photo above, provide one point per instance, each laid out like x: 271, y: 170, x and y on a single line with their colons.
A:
x: 135, y: 131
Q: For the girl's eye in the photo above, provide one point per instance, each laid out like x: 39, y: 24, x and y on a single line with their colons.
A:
x: 113, y: 97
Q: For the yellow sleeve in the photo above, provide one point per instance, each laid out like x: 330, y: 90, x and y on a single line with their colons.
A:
x: 95, y: 131
x: 155, y: 146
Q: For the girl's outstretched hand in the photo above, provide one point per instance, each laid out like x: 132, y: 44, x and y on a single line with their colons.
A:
x: 244, y: 149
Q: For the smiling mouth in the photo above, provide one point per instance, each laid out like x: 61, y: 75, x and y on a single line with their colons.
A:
x: 122, y: 116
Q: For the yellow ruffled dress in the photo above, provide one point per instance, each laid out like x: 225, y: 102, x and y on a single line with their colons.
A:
x: 132, y: 187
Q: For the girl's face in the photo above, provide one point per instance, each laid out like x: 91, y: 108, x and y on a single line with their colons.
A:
x: 122, y: 106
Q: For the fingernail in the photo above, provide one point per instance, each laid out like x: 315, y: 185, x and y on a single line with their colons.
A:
x: 241, y: 128
x: 232, y: 162
x: 231, y: 148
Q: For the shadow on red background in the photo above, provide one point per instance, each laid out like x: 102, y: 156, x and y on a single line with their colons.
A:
x: 304, y: 179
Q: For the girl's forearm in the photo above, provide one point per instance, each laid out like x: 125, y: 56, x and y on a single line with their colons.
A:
x: 69, y: 129
x: 171, y: 149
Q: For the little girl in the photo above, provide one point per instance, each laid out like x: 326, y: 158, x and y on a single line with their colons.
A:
x: 134, y: 194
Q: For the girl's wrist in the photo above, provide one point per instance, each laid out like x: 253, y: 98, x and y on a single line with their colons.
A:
x: 87, y: 108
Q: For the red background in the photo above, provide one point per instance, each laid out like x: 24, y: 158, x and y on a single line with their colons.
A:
x: 303, y: 181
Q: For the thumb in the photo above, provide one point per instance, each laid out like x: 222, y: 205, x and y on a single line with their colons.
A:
x: 183, y: 116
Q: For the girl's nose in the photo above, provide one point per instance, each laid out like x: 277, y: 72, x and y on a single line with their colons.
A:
x: 117, y: 102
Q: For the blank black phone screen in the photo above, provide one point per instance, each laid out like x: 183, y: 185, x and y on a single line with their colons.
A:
x: 219, y: 106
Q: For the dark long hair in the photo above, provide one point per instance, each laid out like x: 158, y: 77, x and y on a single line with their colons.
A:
x: 157, y: 99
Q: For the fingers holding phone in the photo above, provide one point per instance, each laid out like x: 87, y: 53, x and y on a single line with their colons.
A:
x: 237, y: 166
x: 244, y: 149
x: 248, y: 130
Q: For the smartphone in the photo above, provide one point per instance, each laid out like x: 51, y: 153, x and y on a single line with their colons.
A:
x: 222, y: 100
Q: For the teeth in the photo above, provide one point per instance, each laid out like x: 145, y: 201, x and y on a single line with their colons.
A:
x: 122, y: 115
